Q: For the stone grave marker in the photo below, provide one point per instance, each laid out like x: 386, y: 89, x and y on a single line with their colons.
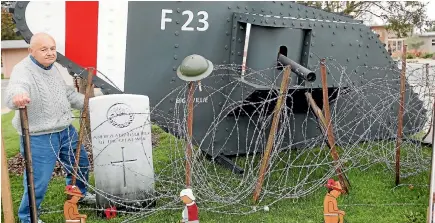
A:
x: 122, y: 150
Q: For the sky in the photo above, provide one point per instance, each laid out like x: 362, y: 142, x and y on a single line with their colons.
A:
x: 431, y: 9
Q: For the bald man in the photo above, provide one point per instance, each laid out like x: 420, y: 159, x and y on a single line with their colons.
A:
x: 37, y: 84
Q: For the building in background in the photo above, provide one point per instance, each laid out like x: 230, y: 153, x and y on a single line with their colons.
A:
x: 393, y: 43
x: 418, y: 44
x: 13, y: 51
x: 428, y: 42
x: 382, y: 31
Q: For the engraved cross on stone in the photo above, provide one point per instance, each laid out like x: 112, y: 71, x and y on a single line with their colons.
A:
x: 123, y: 164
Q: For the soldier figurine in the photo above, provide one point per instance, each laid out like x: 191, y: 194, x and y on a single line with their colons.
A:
x: 330, y: 208
x: 190, y: 212
x: 70, y: 209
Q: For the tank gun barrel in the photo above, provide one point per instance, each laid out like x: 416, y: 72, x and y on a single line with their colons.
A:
x: 298, y: 69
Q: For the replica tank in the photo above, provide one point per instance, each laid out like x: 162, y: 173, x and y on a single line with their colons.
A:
x: 138, y: 46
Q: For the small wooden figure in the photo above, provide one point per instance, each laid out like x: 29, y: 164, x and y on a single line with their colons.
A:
x: 110, y: 212
x: 330, y: 208
x: 70, y: 209
x: 190, y: 212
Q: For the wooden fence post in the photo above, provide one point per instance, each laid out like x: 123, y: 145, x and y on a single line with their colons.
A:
x: 8, y: 209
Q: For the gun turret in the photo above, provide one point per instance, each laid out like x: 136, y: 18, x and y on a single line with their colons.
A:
x: 298, y: 69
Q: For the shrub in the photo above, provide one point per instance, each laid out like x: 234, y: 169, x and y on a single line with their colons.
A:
x: 416, y: 53
x: 410, y: 56
x: 428, y: 55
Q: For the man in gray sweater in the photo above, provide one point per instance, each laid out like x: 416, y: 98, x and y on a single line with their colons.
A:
x: 38, y: 85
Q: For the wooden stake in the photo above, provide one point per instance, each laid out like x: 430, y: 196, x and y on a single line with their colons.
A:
x: 273, y: 128
x: 328, y: 125
x: 189, y: 132
x: 29, y: 166
x: 83, y: 86
x: 323, y: 125
x: 82, y: 123
x: 400, y: 115
x: 317, y: 112
x: 76, y: 83
x: 8, y: 209
x: 326, y: 111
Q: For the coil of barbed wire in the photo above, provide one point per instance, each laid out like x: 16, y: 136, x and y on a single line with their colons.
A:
x: 363, y: 116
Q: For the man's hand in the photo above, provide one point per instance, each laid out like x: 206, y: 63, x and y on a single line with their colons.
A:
x: 21, y: 100
x: 342, y: 213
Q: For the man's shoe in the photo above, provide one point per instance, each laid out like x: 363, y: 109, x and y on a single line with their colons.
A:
x: 89, y: 198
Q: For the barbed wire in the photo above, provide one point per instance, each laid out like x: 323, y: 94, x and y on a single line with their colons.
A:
x: 364, y: 104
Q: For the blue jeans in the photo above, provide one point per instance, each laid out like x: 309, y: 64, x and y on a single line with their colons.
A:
x: 46, y: 149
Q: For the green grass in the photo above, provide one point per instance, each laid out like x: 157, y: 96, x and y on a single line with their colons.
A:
x: 373, y: 196
x: 3, y: 77
x: 9, y: 135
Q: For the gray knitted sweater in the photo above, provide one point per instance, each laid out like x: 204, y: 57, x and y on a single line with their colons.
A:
x: 51, y: 99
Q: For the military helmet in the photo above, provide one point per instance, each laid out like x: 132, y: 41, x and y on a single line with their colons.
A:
x: 187, y: 192
x: 194, y: 68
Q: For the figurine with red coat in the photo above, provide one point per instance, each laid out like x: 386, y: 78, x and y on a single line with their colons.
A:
x: 190, y: 212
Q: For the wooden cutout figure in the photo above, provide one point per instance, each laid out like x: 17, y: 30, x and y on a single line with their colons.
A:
x: 70, y: 209
x: 110, y: 212
x: 330, y: 208
x: 190, y: 212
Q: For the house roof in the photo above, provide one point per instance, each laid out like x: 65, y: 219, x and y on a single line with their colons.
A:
x: 14, y: 44
x: 377, y: 26
x: 428, y: 34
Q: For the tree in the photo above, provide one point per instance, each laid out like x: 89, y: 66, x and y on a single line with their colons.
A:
x: 414, y: 42
x: 7, y: 3
x: 401, y: 17
x: 8, y: 26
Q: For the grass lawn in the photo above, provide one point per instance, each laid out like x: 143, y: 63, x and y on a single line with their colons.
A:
x: 373, y: 197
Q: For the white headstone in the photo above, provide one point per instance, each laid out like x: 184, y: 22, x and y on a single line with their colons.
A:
x: 122, y: 149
